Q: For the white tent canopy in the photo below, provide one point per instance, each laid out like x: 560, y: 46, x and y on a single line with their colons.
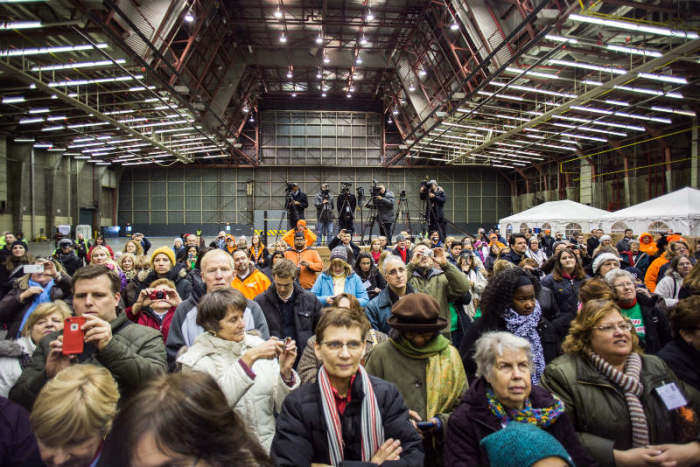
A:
x: 563, y: 216
x: 678, y: 211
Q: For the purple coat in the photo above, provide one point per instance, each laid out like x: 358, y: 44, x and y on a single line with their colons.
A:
x: 17, y: 442
x: 472, y: 420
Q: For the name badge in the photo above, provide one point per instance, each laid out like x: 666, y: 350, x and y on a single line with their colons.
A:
x: 671, y: 396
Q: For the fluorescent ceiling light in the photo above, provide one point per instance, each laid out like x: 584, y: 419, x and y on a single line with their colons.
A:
x: 57, y: 149
x: 86, y: 125
x: 82, y: 82
x: 55, y: 118
x: 69, y: 66
x: 588, y: 66
x: 27, y: 121
x: 634, y: 51
x: 583, y: 128
x: 43, y: 145
x: 119, y: 112
x: 664, y: 78
x: 538, y: 74
x: 13, y: 99
x: 50, y: 50
x: 653, y: 92
x: 24, y: 140
x: 634, y: 26
x: 39, y: 110
x: 689, y: 113
x: 7, y: 25
x: 54, y: 128
x: 535, y: 90
x: 143, y: 88
x: 614, y: 102
x: 554, y: 37
x: 501, y: 96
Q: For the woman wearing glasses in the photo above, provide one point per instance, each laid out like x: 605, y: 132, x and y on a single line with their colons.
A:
x: 620, y: 400
x: 646, y: 313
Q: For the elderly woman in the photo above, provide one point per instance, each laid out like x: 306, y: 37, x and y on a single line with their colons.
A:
x: 181, y: 419
x: 47, y: 317
x: 309, y: 363
x: 338, y: 278
x: 30, y: 291
x: 254, y: 375
x: 509, y: 304
x: 73, y: 415
x: 670, y: 286
x: 12, y: 268
x: 564, y: 281
x: 178, y: 246
x: 502, y: 394
x: 611, y: 393
x: 535, y: 252
x: 370, y: 276
x: 424, y: 366
x: 647, y: 313
x: 682, y: 353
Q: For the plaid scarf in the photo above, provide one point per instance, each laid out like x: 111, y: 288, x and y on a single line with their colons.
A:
x: 542, y: 417
x: 633, y: 388
x: 371, y: 421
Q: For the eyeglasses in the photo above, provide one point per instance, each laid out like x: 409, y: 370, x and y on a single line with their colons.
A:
x: 624, y: 285
x: 337, y: 346
x: 610, y: 328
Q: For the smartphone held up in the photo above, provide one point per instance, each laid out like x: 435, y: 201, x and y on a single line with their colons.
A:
x: 73, y: 335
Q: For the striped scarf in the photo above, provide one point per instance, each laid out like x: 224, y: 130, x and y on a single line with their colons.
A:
x: 371, y: 421
x: 633, y: 388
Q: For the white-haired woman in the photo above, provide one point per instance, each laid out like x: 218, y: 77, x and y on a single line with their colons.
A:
x: 503, y: 393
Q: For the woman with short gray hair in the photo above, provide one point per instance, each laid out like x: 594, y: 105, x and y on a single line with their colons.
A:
x: 503, y: 393
x: 647, y: 313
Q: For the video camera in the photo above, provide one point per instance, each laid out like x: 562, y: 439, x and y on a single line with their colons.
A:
x: 427, y: 184
x: 375, y: 189
x: 345, y: 188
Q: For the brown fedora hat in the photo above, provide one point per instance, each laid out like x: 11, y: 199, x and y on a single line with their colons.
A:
x: 417, y: 312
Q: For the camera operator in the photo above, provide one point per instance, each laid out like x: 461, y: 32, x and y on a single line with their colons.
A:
x: 296, y: 203
x: 346, y: 204
x: 384, y: 202
x: 325, y: 214
x: 434, y: 207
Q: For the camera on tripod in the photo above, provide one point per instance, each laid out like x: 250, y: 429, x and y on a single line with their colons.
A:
x: 345, y: 188
x: 427, y: 184
x: 375, y: 189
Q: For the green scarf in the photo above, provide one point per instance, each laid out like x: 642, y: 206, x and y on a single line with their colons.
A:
x: 435, y: 346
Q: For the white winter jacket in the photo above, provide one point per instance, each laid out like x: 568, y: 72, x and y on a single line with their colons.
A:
x: 255, y: 400
x: 669, y: 286
x: 10, y: 368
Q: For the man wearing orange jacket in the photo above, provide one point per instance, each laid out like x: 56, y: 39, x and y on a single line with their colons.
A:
x: 306, y: 259
x: 248, y: 280
x: 309, y: 236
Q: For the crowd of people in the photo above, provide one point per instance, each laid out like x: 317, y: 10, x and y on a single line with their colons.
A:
x: 484, y: 350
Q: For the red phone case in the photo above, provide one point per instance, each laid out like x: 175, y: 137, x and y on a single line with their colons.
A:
x: 73, y: 335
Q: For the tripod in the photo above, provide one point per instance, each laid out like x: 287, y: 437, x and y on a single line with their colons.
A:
x: 402, y: 208
x: 430, y: 219
x: 289, y: 205
x: 345, y: 213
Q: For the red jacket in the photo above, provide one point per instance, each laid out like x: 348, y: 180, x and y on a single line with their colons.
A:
x: 148, y: 318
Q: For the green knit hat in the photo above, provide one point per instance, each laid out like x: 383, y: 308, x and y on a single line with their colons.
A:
x: 521, y: 445
x: 164, y: 250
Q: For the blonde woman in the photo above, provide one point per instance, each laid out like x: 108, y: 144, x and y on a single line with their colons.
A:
x: 46, y: 318
x: 73, y: 415
x: 100, y: 255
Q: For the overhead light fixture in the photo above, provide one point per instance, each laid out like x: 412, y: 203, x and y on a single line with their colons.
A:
x: 422, y: 72
x: 251, y: 119
x: 141, y: 88
x: 583, y: 128
x: 411, y: 87
x: 87, y: 125
x: 499, y: 96
x: 245, y: 109
x: 319, y: 39
x: 454, y: 26
x: 688, y: 113
x: 289, y: 74
x: 42, y: 110
x: 326, y: 59
x: 633, y: 51
x: 323, y: 94
x: 50, y: 50
x: 664, y: 78
x: 43, y: 145
x: 83, y: 82
x: 554, y: 37
x: 188, y: 17
x: 7, y: 25
x: 634, y: 26
x: 389, y: 121
x: 588, y: 66
x: 532, y: 73
x: 615, y: 102
x: 319, y: 75
x: 352, y: 89
x: 69, y: 66
x: 395, y: 111
x: 13, y: 99
x: 54, y: 128
x: 283, y: 39
x: 370, y: 16
x: 358, y: 60
x: 348, y: 95
x: 294, y: 94
x: 29, y: 121
x: 24, y: 140
x: 278, y: 13
x: 592, y: 138
x: 535, y: 90
x: 653, y: 92
x: 363, y: 40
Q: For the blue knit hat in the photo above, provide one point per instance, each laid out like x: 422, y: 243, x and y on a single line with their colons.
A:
x: 521, y: 445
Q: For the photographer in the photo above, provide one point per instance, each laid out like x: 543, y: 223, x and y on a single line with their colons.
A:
x: 434, y: 196
x: 384, y: 202
x: 156, y: 306
x: 325, y: 214
x: 295, y: 205
x: 346, y: 204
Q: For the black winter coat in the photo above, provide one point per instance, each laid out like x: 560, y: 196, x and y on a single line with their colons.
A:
x: 472, y: 420
x: 71, y: 262
x: 355, y: 249
x: 435, y: 208
x: 683, y: 359
x: 566, y: 295
x: 549, y: 339
x: 375, y: 279
x: 513, y: 257
x: 300, y: 438
x: 656, y: 326
x: 307, y: 313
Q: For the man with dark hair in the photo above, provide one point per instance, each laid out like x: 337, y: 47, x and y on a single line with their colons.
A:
x: 306, y: 259
x: 434, y: 207
x: 384, y: 202
x: 290, y: 310
x: 67, y: 257
x: 593, y: 241
x: 624, y: 243
x: 132, y: 353
x: 296, y: 203
x: 518, y: 248
x: 325, y: 214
